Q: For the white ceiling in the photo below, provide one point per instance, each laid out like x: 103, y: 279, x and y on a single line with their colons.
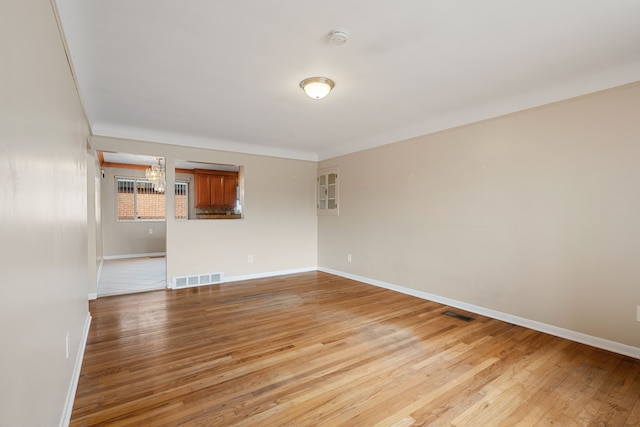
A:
x: 225, y: 74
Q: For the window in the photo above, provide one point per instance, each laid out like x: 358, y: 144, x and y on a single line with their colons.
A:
x: 138, y: 201
x: 182, y: 200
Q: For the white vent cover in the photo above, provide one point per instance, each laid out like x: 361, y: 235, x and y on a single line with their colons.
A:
x: 197, y: 280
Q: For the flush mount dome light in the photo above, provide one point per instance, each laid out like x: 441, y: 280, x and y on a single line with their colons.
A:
x: 317, y: 87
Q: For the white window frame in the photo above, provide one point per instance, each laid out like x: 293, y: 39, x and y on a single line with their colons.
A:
x: 186, y: 193
x: 136, y: 180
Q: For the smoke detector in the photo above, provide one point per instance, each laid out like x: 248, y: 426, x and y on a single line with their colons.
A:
x: 337, y: 37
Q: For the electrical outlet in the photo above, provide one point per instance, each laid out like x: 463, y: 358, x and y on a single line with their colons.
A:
x: 250, y: 258
x: 638, y: 313
x: 349, y: 257
x: 151, y: 231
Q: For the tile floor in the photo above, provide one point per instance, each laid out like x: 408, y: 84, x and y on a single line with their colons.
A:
x: 122, y: 276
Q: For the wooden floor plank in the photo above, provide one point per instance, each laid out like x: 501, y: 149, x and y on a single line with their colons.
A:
x: 317, y: 349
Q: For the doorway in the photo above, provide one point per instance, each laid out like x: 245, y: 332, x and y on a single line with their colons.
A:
x: 133, y: 205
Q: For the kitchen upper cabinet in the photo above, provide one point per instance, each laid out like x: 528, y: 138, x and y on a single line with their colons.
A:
x: 202, y: 190
x: 215, y: 188
x: 230, y: 184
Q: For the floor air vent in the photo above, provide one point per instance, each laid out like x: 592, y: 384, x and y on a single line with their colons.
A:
x: 458, y: 316
x: 197, y: 280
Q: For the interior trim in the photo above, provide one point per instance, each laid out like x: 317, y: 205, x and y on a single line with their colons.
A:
x: 268, y: 274
x: 75, y: 377
x: 601, y: 343
x: 127, y: 256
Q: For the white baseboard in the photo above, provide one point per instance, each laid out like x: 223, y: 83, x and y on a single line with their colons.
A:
x: 127, y: 256
x: 228, y: 279
x: 73, y: 385
x: 604, y: 344
x: 268, y: 274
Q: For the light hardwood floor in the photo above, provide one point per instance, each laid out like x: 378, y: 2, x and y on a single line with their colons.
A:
x: 313, y: 349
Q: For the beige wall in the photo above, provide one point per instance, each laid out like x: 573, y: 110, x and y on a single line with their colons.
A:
x: 279, y: 227
x: 43, y: 217
x: 92, y: 236
x: 94, y: 222
x: 535, y: 214
x: 95, y: 198
x: 125, y: 238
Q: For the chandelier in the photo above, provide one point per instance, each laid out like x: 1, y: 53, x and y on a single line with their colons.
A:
x: 156, y: 174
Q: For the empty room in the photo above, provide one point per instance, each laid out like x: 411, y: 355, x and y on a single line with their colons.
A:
x: 358, y: 213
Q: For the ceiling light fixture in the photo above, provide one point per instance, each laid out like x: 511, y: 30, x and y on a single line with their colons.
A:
x: 317, y: 87
x: 156, y: 174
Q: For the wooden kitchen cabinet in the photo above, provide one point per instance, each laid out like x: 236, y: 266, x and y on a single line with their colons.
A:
x: 202, y: 190
x: 230, y: 184
x: 215, y: 188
